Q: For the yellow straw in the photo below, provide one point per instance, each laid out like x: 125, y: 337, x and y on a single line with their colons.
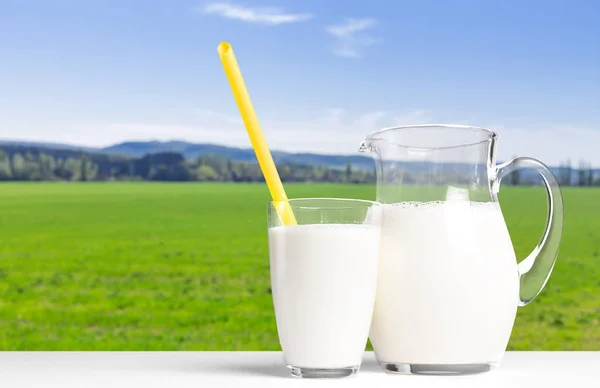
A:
x: 265, y: 160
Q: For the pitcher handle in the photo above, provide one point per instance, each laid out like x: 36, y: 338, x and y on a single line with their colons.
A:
x: 535, y: 270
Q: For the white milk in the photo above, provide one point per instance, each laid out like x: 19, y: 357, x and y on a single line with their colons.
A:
x: 448, y: 284
x: 324, y: 279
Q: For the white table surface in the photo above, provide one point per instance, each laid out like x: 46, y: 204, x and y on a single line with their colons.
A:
x: 266, y: 369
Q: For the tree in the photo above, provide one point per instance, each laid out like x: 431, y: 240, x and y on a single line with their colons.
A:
x: 359, y: 177
x: 72, y: 169
x: 5, y: 170
x: 254, y: 174
x: 348, y: 174
x: 83, y: 168
x: 286, y: 173
x: 515, y: 179
x: 158, y: 173
x: 229, y: 175
x: 62, y: 171
x: 589, y: 174
x: 47, y: 166
x: 564, y: 177
x: 18, y: 162
x: 87, y: 169
x: 91, y: 171
x: 585, y: 174
x: 206, y: 173
x: 328, y: 175
x: 168, y: 172
x: 31, y: 167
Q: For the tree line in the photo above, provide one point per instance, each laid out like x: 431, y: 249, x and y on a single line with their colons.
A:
x: 584, y: 175
x: 55, y: 165
x: 26, y: 163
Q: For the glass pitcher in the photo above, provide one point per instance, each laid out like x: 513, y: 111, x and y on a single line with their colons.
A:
x: 449, y: 284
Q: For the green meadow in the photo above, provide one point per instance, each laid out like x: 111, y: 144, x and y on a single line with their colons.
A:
x: 150, y: 266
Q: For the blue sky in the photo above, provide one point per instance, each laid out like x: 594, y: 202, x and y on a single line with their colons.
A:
x: 321, y: 74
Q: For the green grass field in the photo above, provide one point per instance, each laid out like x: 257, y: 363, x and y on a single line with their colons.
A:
x: 148, y: 266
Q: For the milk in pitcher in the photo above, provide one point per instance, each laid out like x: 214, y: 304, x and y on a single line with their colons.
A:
x: 448, y: 286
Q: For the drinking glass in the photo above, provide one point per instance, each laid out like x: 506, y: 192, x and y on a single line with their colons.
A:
x: 324, y: 279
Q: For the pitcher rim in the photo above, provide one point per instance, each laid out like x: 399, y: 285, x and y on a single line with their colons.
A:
x: 340, y: 200
x: 492, y: 135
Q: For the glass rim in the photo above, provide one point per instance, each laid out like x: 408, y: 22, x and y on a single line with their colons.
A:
x: 297, y: 202
x: 491, y: 135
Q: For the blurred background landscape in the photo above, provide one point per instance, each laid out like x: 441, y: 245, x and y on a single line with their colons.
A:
x: 132, y: 210
x: 178, y: 161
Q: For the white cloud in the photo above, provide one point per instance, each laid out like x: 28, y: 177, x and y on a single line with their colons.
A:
x: 351, y: 27
x: 335, y: 131
x: 413, y: 117
x: 552, y: 144
x: 261, y: 15
x: 351, y: 37
x: 208, y: 114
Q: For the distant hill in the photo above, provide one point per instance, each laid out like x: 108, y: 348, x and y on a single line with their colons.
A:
x: 31, y: 161
x: 192, y: 150
x: 137, y: 149
x: 44, y: 145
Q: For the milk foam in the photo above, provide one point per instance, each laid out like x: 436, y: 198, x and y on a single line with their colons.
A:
x: 433, y: 205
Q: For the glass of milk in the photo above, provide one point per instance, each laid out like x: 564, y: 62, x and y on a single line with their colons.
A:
x: 324, y: 279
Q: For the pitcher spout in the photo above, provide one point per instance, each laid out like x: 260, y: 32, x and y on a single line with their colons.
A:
x: 366, y: 145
